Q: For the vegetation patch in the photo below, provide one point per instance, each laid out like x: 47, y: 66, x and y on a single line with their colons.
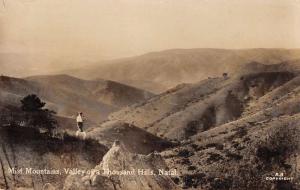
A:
x: 185, y: 153
x: 214, y: 157
x: 234, y: 156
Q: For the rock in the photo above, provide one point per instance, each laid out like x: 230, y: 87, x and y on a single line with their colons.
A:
x: 48, y: 186
x: 122, y: 170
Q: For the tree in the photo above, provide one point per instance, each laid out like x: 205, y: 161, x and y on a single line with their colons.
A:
x: 35, y: 115
x: 32, y: 103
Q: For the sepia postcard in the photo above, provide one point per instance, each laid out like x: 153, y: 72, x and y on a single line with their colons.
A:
x: 149, y: 94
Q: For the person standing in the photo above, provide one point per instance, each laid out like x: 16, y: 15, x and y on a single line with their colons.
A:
x: 79, y: 120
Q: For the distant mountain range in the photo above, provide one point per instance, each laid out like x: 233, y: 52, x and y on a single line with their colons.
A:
x: 159, y: 71
x: 154, y: 72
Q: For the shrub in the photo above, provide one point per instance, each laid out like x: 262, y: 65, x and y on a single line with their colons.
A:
x: 213, y: 157
x: 35, y: 115
x: 32, y: 103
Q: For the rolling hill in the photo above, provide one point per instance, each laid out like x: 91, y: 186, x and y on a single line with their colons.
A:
x: 234, y: 132
x: 109, y: 92
x: 159, y: 71
x: 187, y: 109
x: 67, y: 95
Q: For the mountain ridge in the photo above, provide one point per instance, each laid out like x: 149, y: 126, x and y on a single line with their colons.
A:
x: 67, y: 95
x: 159, y: 71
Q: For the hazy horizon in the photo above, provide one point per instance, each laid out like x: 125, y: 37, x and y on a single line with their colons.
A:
x: 57, y: 34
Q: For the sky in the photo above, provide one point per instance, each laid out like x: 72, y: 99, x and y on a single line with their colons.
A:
x: 91, y: 30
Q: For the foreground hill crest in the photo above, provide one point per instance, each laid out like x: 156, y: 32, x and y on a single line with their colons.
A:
x: 118, y: 158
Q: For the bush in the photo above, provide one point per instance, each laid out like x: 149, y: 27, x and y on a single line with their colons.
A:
x: 32, y: 103
x: 213, y: 157
x: 35, y: 115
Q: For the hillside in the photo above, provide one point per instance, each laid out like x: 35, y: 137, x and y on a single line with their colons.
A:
x: 67, y: 95
x: 24, y: 147
x: 135, y: 139
x: 118, y: 158
x: 109, y: 92
x: 54, y: 160
x: 188, y: 109
x: 242, y: 153
x: 233, y: 132
x: 159, y: 71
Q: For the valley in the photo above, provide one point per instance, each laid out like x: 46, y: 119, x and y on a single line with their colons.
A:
x: 225, y: 131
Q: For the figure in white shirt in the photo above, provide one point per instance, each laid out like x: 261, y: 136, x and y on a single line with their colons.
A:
x: 79, y: 120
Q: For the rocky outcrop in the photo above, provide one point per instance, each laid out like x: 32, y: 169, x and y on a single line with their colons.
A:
x: 122, y: 170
